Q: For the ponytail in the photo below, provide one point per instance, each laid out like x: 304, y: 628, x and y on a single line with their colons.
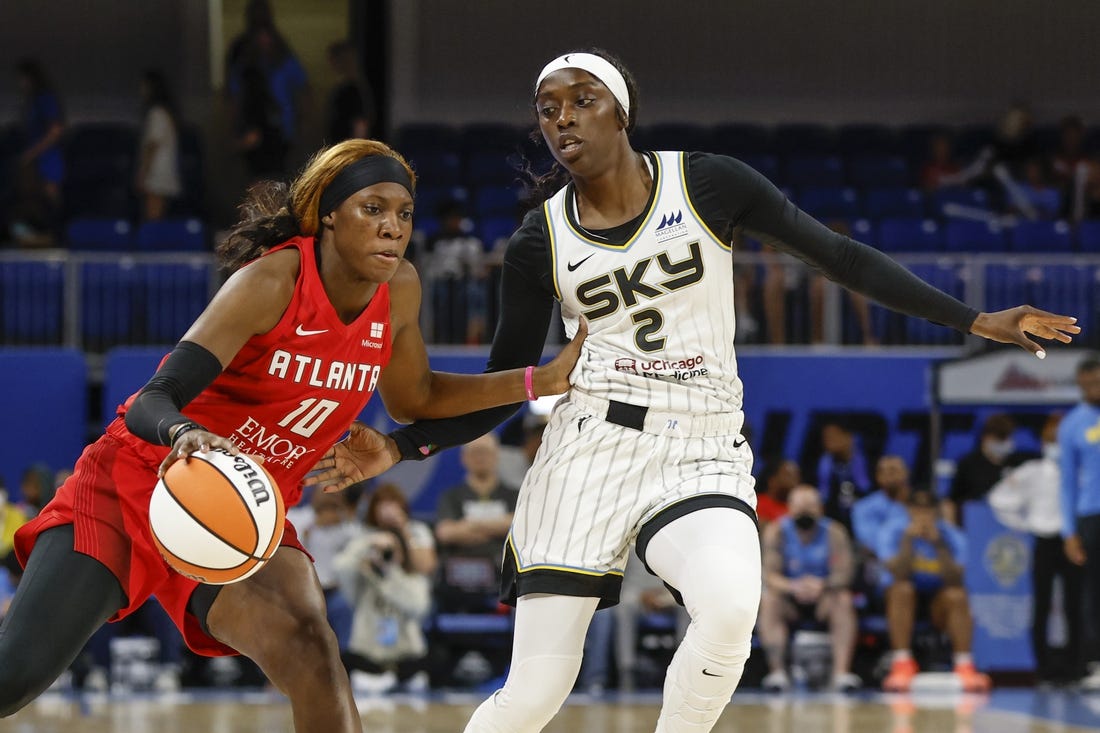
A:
x: 266, y: 221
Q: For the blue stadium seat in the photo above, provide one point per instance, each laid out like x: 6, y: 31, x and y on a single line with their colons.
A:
x: 949, y: 278
x: 866, y: 139
x: 494, y: 228
x: 909, y: 235
x: 436, y: 167
x: 804, y: 139
x: 965, y: 235
x: 427, y: 225
x: 491, y: 169
x: 673, y: 136
x: 766, y: 165
x: 430, y: 199
x: 172, y: 235
x: 110, y: 235
x: 739, y: 139
x: 882, y: 171
x: 1009, y: 284
x: 1069, y: 289
x: 421, y: 137
x: 108, y: 292
x: 819, y: 171
x: 1041, y: 236
x: 1088, y: 235
x: 944, y: 199
x: 829, y: 203
x: 174, y: 295
x: 881, y: 203
x: 32, y: 302
x: 496, y: 201
x: 485, y: 137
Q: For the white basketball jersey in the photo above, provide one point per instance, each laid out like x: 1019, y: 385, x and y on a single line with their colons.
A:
x: 659, y: 307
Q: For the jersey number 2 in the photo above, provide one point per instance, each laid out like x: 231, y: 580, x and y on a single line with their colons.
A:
x: 649, y: 321
x: 315, y: 412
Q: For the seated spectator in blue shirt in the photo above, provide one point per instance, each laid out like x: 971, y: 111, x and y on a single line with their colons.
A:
x: 807, y: 575
x: 842, y: 475
x: 924, y: 557
x: 873, y: 512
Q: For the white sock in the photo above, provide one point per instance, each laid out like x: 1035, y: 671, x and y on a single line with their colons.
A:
x: 903, y: 655
x: 963, y: 658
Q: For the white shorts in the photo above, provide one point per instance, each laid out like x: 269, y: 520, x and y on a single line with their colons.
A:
x: 597, y: 486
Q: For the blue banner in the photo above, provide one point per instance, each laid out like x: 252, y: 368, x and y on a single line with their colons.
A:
x: 998, y: 579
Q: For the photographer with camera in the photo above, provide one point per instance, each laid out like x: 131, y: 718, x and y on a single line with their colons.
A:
x: 391, y: 600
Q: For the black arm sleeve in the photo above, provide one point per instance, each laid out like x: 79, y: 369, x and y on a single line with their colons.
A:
x: 526, y: 307
x: 187, y: 371
x: 728, y: 193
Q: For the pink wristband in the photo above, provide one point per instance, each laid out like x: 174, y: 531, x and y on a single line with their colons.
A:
x: 527, y: 383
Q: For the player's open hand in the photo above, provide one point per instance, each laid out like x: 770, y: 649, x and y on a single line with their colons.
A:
x: 365, y: 453
x: 553, y: 378
x: 192, y: 441
x: 1012, y: 326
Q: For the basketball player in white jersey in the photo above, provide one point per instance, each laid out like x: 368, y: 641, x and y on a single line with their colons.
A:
x: 646, y: 448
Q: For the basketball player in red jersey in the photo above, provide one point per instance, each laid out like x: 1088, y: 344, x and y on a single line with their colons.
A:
x: 322, y: 311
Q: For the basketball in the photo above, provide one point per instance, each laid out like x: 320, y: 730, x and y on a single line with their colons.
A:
x: 217, y: 517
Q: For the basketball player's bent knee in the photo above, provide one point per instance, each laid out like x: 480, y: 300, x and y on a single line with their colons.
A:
x: 726, y: 614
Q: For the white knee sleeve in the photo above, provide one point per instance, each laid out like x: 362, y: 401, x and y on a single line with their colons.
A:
x: 546, y: 656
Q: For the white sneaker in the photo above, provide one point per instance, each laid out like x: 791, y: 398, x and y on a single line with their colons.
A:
x: 418, y: 683
x: 167, y: 679
x: 846, y: 682
x: 97, y: 680
x: 365, y: 683
x: 777, y: 681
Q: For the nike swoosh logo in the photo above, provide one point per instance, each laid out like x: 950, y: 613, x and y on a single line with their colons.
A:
x: 710, y: 674
x: 574, y: 265
x: 302, y: 332
x: 567, y: 58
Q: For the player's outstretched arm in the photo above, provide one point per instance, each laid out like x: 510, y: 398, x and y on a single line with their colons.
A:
x: 412, y: 391
x: 1012, y: 326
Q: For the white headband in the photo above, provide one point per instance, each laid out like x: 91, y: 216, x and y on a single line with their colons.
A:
x: 598, y: 67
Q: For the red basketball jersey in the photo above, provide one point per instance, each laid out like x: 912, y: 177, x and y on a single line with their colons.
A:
x: 289, y: 394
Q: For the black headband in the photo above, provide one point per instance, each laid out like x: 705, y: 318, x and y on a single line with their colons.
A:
x: 361, y: 174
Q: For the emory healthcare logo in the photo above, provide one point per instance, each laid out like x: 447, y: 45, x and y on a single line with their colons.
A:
x: 671, y: 226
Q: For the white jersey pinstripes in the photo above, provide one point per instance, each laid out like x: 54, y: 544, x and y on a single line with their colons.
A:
x: 660, y: 306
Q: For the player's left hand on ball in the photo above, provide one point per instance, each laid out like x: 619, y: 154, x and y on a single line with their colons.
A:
x: 553, y: 378
x: 192, y: 441
x: 1012, y: 326
x: 365, y: 453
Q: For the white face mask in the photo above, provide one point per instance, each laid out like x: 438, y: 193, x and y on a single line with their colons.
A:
x: 1052, y: 451
x: 1000, y: 449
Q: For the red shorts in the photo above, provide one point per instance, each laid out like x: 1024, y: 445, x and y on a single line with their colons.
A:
x: 107, y: 502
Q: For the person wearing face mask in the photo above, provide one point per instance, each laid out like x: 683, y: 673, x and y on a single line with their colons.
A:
x: 923, y: 557
x: 807, y: 575
x: 1079, y: 459
x: 1027, y: 499
x: 978, y: 470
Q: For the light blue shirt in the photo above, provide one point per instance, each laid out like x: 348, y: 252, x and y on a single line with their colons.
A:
x: 1079, y: 440
x: 871, y: 513
x: 927, y: 573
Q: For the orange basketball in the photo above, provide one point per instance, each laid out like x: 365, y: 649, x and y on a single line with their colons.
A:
x: 217, y: 517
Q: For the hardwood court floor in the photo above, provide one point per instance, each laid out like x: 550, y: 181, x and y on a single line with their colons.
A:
x: 1004, y: 712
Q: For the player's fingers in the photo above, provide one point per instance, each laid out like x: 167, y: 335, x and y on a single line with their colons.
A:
x: 1028, y: 345
x: 1052, y: 318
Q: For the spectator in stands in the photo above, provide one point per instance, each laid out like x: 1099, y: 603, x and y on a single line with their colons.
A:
x: 515, y: 460
x: 473, y: 520
x: 326, y: 526
x: 842, y: 476
x: 41, y: 168
x: 1028, y: 499
x: 1078, y: 436
x: 780, y: 475
x: 941, y: 168
x: 808, y: 572
x: 1037, y: 188
x: 860, y: 308
x: 391, y: 601
x: 35, y: 489
x: 1070, y: 166
x: 874, y: 511
x: 158, y: 173
x: 454, y: 261
x: 264, y: 49
x: 148, y: 620
x: 924, y: 559
x: 388, y: 508
x: 11, y: 519
x: 978, y: 470
x: 7, y: 590
x: 1000, y: 166
x: 350, y: 103
x: 261, y: 137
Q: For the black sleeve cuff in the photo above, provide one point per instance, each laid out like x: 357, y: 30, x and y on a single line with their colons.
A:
x: 187, y: 371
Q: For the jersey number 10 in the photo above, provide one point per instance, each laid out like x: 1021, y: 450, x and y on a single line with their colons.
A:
x: 310, y: 414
